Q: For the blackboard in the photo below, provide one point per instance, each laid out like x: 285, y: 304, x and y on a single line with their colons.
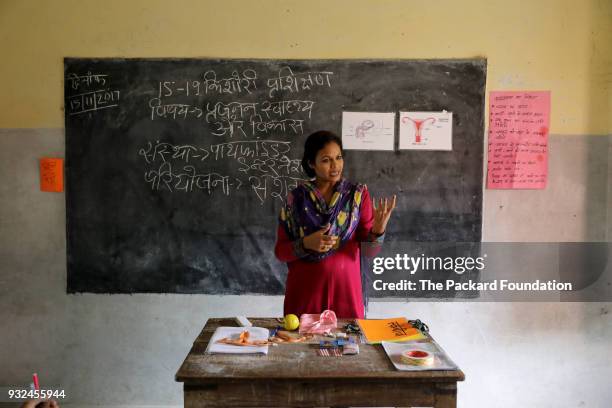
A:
x: 176, y: 168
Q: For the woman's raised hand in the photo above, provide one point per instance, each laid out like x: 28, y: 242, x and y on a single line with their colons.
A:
x: 382, y: 213
x: 319, y: 242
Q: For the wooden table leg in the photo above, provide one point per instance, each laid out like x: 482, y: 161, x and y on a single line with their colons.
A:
x: 446, y: 395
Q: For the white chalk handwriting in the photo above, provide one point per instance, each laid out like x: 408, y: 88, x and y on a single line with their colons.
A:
x: 237, y: 83
x: 275, y: 187
x: 180, y: 88
x: 173, y: 110
x: 163, y: 178
x: 77, y: 81
x: 264, y: 164
x: 287, y: 80
x: 93, y: 101
x: 163, y: 151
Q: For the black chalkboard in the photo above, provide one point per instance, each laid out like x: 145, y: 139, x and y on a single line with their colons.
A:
x: 176, y: 168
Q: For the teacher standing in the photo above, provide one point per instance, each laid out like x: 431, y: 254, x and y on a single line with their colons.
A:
x: 320, y: 230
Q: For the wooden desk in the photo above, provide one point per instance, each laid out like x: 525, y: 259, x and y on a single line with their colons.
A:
x: 292, y: 375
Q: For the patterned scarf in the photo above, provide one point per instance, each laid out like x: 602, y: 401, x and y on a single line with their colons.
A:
x: 306, y: 212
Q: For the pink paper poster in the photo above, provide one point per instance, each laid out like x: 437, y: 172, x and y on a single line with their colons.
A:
x: 518, y: 139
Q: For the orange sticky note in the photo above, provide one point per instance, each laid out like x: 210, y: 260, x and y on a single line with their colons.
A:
x: 52, y: 174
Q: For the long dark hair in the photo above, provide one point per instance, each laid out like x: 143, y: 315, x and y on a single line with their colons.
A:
x: 315, y: 142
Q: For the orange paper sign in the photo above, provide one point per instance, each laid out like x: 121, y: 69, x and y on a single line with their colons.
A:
x: 51, y: 174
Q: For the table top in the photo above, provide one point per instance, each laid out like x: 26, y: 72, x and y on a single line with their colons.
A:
x: 295, y: 361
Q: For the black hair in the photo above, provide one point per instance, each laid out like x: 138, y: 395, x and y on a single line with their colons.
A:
x: 315, y: 142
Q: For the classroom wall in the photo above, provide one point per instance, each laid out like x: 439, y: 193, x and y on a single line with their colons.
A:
x: 125, y: 349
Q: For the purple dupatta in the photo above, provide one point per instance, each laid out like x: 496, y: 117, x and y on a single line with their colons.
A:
x: 306, y: 212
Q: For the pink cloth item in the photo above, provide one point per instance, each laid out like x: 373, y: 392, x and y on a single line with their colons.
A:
x: 318, y: 323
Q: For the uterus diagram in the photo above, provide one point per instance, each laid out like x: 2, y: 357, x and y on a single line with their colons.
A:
x: 426, y: 130
x: 419, y: 124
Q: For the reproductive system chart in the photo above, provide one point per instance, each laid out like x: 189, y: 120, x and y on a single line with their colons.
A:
x: 368, y: 130
x: 426, y: 130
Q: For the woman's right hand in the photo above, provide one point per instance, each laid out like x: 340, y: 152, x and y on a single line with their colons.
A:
x: 319, y: 242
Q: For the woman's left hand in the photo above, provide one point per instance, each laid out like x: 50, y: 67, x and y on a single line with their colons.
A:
x: 382, y: 213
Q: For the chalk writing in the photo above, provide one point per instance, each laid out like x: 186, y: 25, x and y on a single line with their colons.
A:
x: 93, y: 101
x: 230, y: 111
x: 173, y: 110
x: 251, y: 148
x: 164, y: 151
x: 235, y: 84
x: 260, y: 126
x: 286, y: 107
x: 229, y: 119
x: 276, y: 187
x: 274, y: 167
x: 247, y: 110
x: 264, y: 164
x: 238, y: 119
x: 189, y: 179
x: 172, y: 88
x: 228, y: 128
x: 167, y: 151
x: 287, y: 80
x: 76, y: 81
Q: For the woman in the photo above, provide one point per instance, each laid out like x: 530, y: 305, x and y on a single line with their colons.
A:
x: 320, y: 230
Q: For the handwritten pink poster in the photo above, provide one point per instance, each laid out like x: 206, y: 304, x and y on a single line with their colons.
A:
x: 518, y: 139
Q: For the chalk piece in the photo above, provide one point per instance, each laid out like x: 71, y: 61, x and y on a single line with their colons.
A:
x: 243, y: 321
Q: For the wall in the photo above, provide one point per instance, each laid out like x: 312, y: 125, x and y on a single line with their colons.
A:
x: 114, y: 350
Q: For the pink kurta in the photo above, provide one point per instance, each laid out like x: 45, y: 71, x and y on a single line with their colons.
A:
x: 333, y: 283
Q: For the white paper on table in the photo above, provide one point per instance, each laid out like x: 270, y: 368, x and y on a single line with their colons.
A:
x: 368, y: 130
x: 426, y: 130
x: 255, y: 333
x: 394, y: 351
